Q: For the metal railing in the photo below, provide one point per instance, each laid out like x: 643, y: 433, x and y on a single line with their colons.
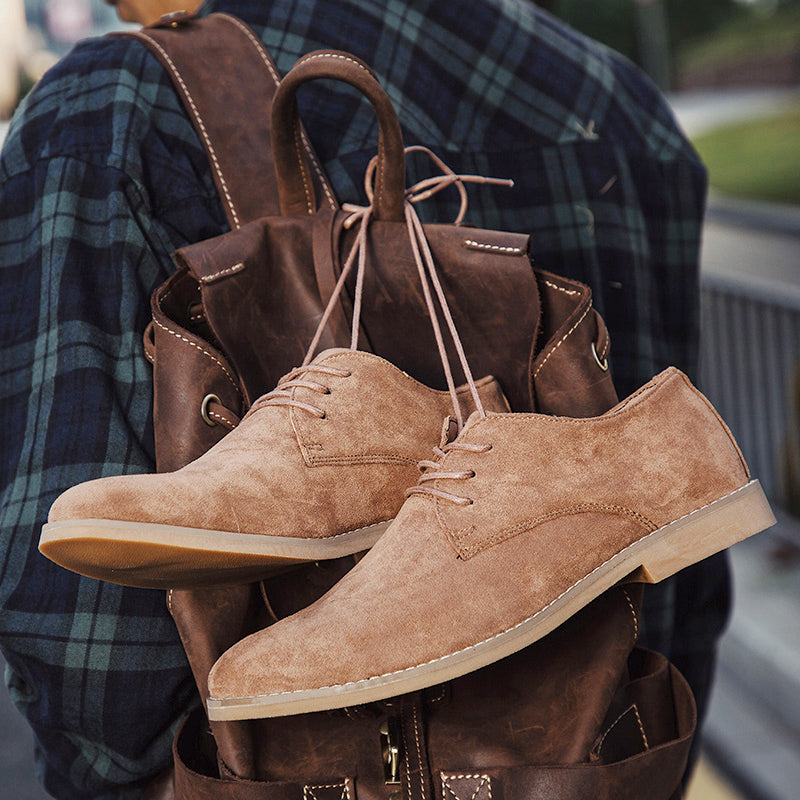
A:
x: 750, y: 370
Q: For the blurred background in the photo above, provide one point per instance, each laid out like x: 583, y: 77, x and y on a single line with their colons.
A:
x: 731, y: 70
x: 34, y: 34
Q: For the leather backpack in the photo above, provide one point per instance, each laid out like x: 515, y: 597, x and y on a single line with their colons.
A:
x: 582, y: 713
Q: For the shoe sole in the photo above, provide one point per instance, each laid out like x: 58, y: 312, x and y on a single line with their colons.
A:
x: 153, y: 556
x: 652, y: 558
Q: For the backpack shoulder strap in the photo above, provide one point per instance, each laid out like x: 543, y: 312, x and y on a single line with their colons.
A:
x: 226, y: 81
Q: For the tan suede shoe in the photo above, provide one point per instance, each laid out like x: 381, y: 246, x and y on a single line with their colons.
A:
x: 518, y: 524
x: 317, y: 469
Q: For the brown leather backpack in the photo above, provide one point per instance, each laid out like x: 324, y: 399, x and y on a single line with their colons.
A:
x: 582, y: 713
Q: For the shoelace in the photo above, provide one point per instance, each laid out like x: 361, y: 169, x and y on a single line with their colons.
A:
x: 426, y: 268
x: 282, y: 395
x: 431, y: 472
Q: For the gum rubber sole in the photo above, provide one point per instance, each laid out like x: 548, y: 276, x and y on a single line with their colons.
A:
x: 153, y: 556
x: 655, y: 556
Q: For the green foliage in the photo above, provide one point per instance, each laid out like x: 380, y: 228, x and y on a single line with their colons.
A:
x: 759, y: 160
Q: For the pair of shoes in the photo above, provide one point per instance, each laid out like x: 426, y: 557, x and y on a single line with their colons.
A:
x: 518, y: 522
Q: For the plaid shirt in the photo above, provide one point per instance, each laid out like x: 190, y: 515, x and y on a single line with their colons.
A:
x: 102, y: 177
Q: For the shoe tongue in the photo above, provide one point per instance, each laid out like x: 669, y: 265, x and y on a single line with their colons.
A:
x: 449, y: 431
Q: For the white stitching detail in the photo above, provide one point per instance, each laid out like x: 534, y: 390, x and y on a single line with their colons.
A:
x: 221, y: 418
x: 329, y: 54
x: 257, y: 44
x: 202, y: 350
x: 493, y: 247
x: 561, y: 288
x: 641, y: 727
x: 201, y: 125
x: 298, y: 147
x: 276, y: 78
x: 308, y: 794
x: 419, y: 752
x: 507, y: 630
x: 355, y: 530
x: 634, y: 614
x: 611, y: 727
x: 305, y: 141
x: 563, y: 339
x: 485, y: 780
x: 441, y: 696
x: 229, y: 271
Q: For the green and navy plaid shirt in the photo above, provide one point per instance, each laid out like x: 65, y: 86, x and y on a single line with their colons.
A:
x: 102, y: 177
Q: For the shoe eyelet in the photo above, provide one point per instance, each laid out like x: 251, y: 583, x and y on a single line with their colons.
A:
x: 472, y: 473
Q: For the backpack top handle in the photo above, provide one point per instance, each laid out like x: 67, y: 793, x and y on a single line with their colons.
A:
x: 295, y: 187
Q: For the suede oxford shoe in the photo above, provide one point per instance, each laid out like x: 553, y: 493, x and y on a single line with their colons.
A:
x: 316, y: 470
x: 517, y: 524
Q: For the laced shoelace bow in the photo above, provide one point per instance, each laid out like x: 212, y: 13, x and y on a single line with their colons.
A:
x: 426, y: 268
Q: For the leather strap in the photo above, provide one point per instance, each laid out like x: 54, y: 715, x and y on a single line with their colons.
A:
x: 648, y: 764
x: 415, y: 769
x: 226, y: 81
x: 294, y: 174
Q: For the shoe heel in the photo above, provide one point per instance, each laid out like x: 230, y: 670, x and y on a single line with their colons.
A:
x: 706, y: 531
